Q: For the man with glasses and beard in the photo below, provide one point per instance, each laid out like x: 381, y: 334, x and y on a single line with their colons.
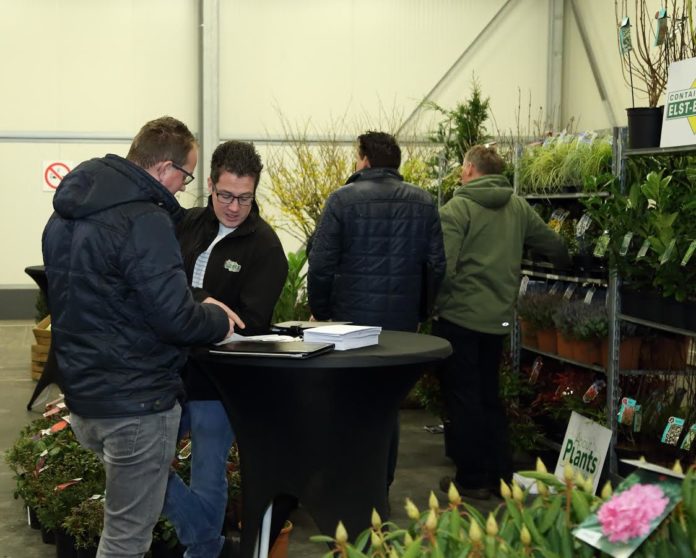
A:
x: 232, y: 254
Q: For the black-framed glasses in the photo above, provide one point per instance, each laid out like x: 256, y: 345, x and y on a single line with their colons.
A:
x: 188, y: 177
x: 225, y: 198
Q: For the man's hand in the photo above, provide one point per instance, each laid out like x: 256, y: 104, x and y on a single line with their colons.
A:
x: 231, y: 316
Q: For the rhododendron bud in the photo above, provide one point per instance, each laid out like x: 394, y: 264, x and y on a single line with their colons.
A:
x: 431, y: 521
x: 375, y: 538
x: 475, y: 533
x: 505, y: 490
x: 453, y: 495
x: 525, y: 537
x: 677, y: 468
x: 341, y: 533
x: 540, y: 467
x: 568, y: 472
x: 541, y: 487
x: 433, y: 504
x: 517, y: 494
x: 606, y: 491
x: 376, y: 520
x: 491, y: 525
x: 411, y: 510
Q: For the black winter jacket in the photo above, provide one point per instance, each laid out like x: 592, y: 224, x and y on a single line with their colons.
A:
x: 246, y: 270
x: 120, y: 303
x: 374, y: 242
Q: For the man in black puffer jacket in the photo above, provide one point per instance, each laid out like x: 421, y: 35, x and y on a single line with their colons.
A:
x: 121, y: 311
x: 377, y: 256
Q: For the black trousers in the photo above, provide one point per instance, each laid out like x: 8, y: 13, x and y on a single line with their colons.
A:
x: 475, y: 417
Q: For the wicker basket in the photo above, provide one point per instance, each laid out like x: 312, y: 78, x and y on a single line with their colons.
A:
x: 39, y: 351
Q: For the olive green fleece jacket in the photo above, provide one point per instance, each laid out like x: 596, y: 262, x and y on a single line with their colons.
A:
x: 485, y: 227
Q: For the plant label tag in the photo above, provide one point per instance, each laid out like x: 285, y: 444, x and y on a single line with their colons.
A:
x: 638, y: 418
x: 643, y: 249
x: 626, y: 243
x: 689, y: 253
x: 661, y: 30
x: 555, y: 288
x: 672, y: 431
x: 536, y: 369
x: 568, y: 294
x: 667, y: 254
x: 589, y: 294
x: 625, y: 36
x: 28, y: 517
x: 689, y: 438
x: 583, y: 224
x: 524, y: 284
x: 602, y: 245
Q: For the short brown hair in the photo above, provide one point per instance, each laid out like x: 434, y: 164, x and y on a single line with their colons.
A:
x: 485, y: 159
x: 162, y: 139
x: 380, y: 149
x: 236, y: 157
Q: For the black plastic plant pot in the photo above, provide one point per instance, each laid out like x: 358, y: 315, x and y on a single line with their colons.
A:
x: 34, y: 522
x: 644, y: 126
x: 673, y: 313
x: 65, y: 545
x: 48, y: 537
x: 90, y: 552
x: 645, y: 305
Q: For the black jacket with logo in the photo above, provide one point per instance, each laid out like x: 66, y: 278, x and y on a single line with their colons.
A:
x: 377, y: 250
x: 246, y: 270
x: 120, y: 304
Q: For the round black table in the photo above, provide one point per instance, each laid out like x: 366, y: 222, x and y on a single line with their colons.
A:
x: 319, y: 429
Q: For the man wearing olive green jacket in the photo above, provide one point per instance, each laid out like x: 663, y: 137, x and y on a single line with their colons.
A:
x: 485, y: 228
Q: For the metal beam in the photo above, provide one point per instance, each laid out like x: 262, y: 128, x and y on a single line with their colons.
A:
x: 209, y: 109
x: 454, y: 66
x: 62, y: 137
x: 593, y: 64
x: 554, y: 64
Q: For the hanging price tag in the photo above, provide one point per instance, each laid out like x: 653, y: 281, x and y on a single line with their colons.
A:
x: 602, y: 245
x: 555, y: 288
x: 589, y: 294
x: 524, y: 283
x: 626, y: 243
x: 643, y: 249
x: 689, y: 253
x: 568, y: 294
x: 667, y: 254
x: 661, y: 31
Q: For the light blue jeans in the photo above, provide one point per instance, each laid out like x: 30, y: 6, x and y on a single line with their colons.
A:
x: 137, y: 452
x: 197, y: 511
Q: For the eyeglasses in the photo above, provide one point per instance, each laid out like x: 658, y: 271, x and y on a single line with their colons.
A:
x: 188, y: 177
x: 226, y: 198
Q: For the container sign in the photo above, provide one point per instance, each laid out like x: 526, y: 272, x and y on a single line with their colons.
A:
x: 679, y: 119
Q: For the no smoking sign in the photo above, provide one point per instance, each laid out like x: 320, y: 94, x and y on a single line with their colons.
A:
x: 53, y: 173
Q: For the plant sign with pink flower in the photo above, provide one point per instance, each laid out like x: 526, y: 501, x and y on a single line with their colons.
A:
x: 638, y: 506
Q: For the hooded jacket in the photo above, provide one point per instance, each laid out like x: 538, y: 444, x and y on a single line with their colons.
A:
x: 377, y: 249
x: 120, y: 303
x: 485, y: 227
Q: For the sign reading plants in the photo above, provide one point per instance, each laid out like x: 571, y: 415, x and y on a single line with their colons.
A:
x: 679, y: 124
x: 585, y: 447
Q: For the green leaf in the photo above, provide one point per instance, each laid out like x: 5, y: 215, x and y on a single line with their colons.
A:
x: 536, y: 536
x: 321, y: 539
x: 546, y: 478
x: 551, y: 513
x: 580, y: 505
x: 413, y: 550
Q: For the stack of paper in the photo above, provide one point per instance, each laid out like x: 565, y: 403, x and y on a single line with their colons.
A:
x: 344, y: 336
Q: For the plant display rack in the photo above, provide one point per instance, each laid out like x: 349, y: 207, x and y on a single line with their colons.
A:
x: 612, y: 281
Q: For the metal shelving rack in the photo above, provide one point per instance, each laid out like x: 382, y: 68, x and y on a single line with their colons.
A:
x: 613, y: 371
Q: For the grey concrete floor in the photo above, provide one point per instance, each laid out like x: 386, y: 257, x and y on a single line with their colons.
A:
x: 421, y: 459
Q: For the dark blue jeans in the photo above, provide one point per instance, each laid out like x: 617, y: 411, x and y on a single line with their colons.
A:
x: 476, y: 419
x: 197, y: 511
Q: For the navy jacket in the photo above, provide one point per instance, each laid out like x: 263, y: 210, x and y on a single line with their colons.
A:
x: 377, y: 250
x: 120, y: 304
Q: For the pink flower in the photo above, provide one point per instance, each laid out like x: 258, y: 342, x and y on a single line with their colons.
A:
x: 628, y: 514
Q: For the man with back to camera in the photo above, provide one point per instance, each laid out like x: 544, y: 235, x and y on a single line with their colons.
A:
x: 377, y: 240
x: 232, y: 254
x: 485, y: 227
x: 121, y: 311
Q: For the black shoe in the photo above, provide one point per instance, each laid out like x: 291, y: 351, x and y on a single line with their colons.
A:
x: 231, y: 548
x: 469, y: 493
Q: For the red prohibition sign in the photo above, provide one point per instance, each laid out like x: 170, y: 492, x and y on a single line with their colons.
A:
x: 55, y: 173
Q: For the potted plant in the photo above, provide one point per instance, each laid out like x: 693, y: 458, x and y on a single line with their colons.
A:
x: 591, y: 327
x: 84, y: 524
x: 660, y: 39
x: 526, y: 525
x: 538, y: 309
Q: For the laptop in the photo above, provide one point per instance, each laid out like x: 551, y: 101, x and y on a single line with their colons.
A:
x: 273, y: 349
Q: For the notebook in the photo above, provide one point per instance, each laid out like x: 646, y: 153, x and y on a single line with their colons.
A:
x: 283, y: 349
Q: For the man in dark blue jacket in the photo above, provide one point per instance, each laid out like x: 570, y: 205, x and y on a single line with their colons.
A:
x: 121, y: 312
x: 378, y: 249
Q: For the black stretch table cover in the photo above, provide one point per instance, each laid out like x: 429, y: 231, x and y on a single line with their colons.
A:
x: 319, y: 429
